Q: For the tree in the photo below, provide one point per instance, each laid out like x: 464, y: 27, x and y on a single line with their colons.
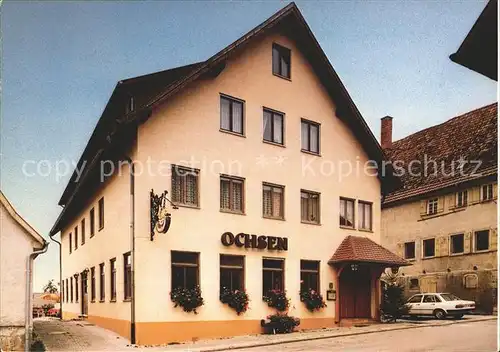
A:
x: 393, y: 304
x: 50, y: 287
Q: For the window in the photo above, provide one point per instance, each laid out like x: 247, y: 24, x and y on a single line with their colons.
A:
x: 112, y: 281
x: 83, y: 232
x: 101, y: 213
x: 127, y: 275
x: 364, y: 215
x: 273, y: 201
x: 309, y: 275
x: 231, y: 115
x: 462, y: 199
x: 185, y: 186
x: 429, y: 299
x: 76, y: 288
x: 231, y: 194
x: 347, y: 212
x: 102, y: 282
x: 310, y: 136
x: 414, y: 285
x: 487, y: 192
x: 92, y: 284
x: 281, y: 61
x: 62, y: 292
x: 130, y: 105
x: 232, y: 272
x: 273, y: 126
x: 482, y: 240
x: 309, y: 207
x: 429, y: 247
x: 185, y: 269
x: 272, y: 275
x: 76, y: 237
x: 415, y: 299
x: 92, y: 222
x: 432, y: 206
x: 457, y: 243
x: 410, y: 250
x: 71, y: 288
x: 67, y: 291
x: 70, y: 243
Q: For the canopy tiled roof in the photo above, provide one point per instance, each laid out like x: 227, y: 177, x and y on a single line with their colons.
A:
x: 363, y: 249
x: 471, y: 136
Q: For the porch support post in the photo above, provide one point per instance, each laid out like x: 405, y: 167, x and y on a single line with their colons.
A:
x: 375, y: 285
x: 336, y: 281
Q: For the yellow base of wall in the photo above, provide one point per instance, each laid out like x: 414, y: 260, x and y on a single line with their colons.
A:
x: 157, y: 333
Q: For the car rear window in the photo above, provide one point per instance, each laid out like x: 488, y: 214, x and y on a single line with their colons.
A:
x: 449, y: 297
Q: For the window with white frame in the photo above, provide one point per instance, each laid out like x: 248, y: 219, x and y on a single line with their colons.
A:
x: 432, y: 206
x: 309, y: 207
x: 346, y: 212
x: 364, y: 215
x: 462, y: 198
x: 273, y: 126
x: 487, y: 192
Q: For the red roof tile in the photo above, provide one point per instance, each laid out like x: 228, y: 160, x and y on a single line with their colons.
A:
x: 362, y: 249
x: 471, y: 136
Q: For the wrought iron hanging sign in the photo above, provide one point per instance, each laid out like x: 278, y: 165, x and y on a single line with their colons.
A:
x: 160, y: 217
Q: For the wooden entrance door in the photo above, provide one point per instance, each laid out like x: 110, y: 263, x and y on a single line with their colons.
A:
x: 85, y: 296
x: 355, y: 292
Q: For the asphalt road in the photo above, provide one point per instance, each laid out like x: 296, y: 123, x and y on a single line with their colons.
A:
x: 474, y: 336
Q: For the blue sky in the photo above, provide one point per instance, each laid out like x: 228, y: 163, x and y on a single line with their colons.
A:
x: 61, y: 60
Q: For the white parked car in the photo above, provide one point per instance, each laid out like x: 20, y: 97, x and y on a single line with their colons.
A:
x: 439, y: 305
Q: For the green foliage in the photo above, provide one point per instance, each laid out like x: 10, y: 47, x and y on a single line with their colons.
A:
x: 312, y: 299
x: 50, y: 287
x: 283, y: 323
x: 237, y: 299
x: 188, y: 298
x: 393, y: 301
x: 277, y: 299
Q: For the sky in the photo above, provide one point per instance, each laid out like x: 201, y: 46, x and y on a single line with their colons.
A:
x: 61, y: 61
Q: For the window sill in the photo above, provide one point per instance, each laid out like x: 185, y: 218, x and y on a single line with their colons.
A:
x: 232, y: 212
x: 410, y: 259
x: 102, y: 301
x: 310, y: 153
x: 310, y: 223
x: 280, y: 76
x: 187, y: 206
x: 92, y: 235
x: 274, y: 143
x: 483, y: 251
x: 456, y: 254
x: 343, y: 227
x: 433, y: 257
x: 273, y: 218
x: 232, y: 133
x: 92, y: 301
x: 366, y: 230
x: 127, y: 300
x: 100, y: 228
x: 112, y: 300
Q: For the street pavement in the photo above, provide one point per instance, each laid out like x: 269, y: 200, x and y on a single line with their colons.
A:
x: 474, y: 337
x: 473, y: 333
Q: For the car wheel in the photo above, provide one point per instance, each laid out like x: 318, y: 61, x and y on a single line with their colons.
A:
x: 439, y: 314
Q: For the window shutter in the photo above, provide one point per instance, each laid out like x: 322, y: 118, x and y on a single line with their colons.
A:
x: 495, y: 191
x: 224, y: 194
x: 266, y: 201
x: 423, y: 207
x: 443, y: 247
x: 467, y: 242
x: 475, y: 195
x: 191, y: 190
x: 400, y: 249
x: 440, y: 205
x: 237, y: 196
x: 276, y: 203
x: 451, y: 200
x: 493, y: 239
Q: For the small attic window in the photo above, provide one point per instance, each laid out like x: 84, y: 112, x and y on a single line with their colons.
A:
x: 281, y: 61
x: 130, y: 104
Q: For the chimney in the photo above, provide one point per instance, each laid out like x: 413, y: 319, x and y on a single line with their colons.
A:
x: 386, y: 132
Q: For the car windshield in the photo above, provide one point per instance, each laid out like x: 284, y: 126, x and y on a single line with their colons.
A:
x: 449, y: 297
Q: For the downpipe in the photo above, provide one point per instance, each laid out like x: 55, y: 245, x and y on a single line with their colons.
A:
x: 61, y: 294
x: 28, y: 319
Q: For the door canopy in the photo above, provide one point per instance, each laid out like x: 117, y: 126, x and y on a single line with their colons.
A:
x: 364, y: 250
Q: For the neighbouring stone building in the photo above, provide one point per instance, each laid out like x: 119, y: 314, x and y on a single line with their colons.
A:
x: 228, y: 139
x: 440, y: 219
x: 20, y: 244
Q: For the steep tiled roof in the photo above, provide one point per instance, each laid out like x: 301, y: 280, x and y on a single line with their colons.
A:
x: 362, y: 249
x: 470, y: 137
